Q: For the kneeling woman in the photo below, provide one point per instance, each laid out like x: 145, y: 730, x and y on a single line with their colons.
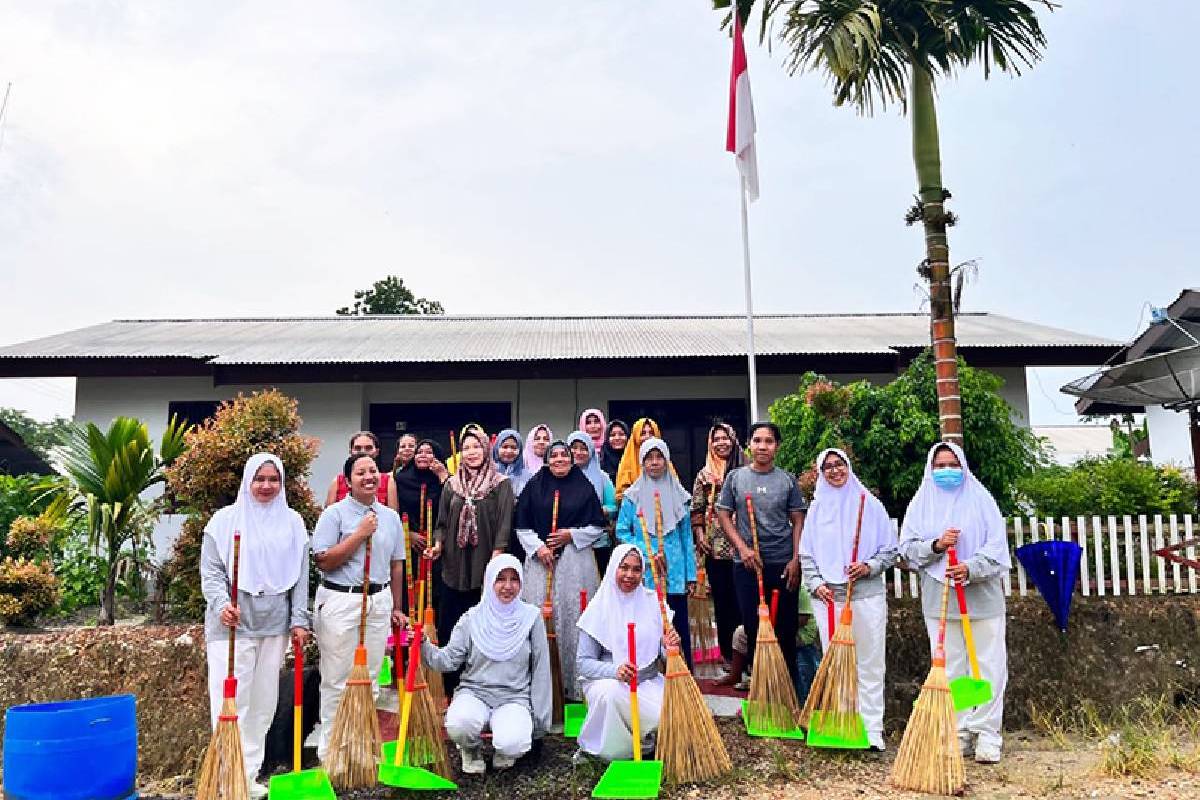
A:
x: 500, y: 645
x: 953, y: 509
x: 828, y: 563
x: 272, y: 597
x: 605, y: 668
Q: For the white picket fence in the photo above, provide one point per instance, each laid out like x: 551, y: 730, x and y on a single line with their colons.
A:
x: 1118, y: 555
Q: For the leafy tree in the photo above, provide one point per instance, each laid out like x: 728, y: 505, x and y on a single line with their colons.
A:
x: 208, y: 476
x: 889, y: 429
x: 1115, y: 485
x: 875, y: 52
x: 40, y: 437
x: 21, y: 496
x: 106, y: 474
x: 389, y: 296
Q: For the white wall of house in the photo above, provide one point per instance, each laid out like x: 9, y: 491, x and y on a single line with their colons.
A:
x: 1170, y: 439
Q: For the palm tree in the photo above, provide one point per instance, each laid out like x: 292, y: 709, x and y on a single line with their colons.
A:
x: 876, y: 52
x: 106, y: 475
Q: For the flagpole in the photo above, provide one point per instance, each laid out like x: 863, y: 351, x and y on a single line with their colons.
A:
x: 753, y: 370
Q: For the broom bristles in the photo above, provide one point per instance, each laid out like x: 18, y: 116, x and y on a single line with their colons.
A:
x: 772, y: 703
x: 355, y: 741
x: 700, y: 616
x: 425, y: 746
x: 433, y: 678
x: 223, y: 771
x: 832, y: 703
x: 689, y: 744
x: 930, y: 759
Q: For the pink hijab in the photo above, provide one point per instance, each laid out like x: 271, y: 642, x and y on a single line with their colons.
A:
x: 598, y: 439
x: 534, y: 463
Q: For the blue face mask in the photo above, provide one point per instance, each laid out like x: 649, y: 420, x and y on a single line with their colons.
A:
x: 948, y: 477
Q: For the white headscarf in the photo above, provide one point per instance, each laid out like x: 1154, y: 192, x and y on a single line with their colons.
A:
x: 968, y: 507
x: 274, y: 540
x: 674, y: 499
x: 497, y: 628
x: 831, y: 519
x: 607, y: 617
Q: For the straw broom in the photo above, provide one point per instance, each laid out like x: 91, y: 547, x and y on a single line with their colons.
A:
x: 425, y: 746
x: 700, y: 608
x: 556, y: 679
x: 355, y: 740
x: 437, y: 686
x: 772, y: 703
x: 223, y: 771
x: 929, y: 758
x: 834, y: 694
x: 689, y: 744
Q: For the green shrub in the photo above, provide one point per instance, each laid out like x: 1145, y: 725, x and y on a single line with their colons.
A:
x: 1106, y: 486
x: 207, y: 476
x: 20, y: 496
x: 889, y: 429
x: 80, y: 571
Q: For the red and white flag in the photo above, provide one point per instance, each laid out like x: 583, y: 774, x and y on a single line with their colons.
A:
x: 739, y: 138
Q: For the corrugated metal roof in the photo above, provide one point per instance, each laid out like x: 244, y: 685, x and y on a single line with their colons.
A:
x: 449, y: 339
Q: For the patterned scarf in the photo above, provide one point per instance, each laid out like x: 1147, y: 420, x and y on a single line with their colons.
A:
x: 473, y: 485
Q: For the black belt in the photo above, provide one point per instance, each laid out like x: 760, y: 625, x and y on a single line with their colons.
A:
x: 372, y: 588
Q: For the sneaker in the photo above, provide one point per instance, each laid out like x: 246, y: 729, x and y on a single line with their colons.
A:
x: 966, y: 743
x: 580, y: 757
x: 876, y: 743
x: 472, y: 764
x: 987, y: 754
x: 257, y: 790
x: 501, y: 761
x: 744, y: 684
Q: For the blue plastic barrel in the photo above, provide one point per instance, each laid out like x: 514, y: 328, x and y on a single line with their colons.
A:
x: 74, y: 750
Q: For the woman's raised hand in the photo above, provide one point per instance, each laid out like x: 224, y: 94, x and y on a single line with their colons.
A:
x: 625, y: 672
x: 824, y: 594
x: 671, y: 637
x: 435, y: 552
x: 947, y: 540
x: 367, y: 525
x: 559, y: 538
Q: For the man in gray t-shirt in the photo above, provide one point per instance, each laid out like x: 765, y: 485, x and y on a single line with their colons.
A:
x: 779, y: 518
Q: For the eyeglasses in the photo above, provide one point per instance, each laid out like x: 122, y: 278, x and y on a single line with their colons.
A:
x: 836, y: 467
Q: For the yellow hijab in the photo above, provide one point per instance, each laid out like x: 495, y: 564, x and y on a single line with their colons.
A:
x: 630, y: 468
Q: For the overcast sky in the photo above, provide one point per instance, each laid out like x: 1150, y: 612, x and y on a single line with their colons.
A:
x: 231, y: 159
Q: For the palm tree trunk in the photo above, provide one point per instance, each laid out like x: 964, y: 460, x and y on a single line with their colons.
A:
x: 928, y: 160
x: 108, y: 599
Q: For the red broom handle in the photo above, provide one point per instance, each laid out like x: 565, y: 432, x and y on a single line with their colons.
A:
x: 774, y: 605
x: 632, y: 638
x: 582, y: 600
x: 847, y: 612
x: 233, y: 601
x: 414, y: 658
x: 297, y: 702
x: 762, y: 598
x: 554, y: 514
x: 421, y: 510
x: 952, y: 558
x: 830, y: 614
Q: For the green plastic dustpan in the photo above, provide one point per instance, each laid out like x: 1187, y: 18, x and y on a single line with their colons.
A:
x: 408, y: 776
x: 968, y: 692
x: 573, y: 716
x: 818, y: 737
x: 309, y: 784
x: 630, y: 780
x: 385, y: 671
x: 767, y: 733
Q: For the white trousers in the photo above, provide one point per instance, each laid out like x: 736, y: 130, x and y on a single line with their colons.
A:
x: 870, y: 647
x: 607, y: 731
x: 256, y: 665
x: 335, y: 624
x: 983, y: 721
x: 511, y: 724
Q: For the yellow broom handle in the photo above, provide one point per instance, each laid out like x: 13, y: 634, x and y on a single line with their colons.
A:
x: 297, y: 703
x: 653, y: 571
x: 847, y: 614
x: 362, y: 620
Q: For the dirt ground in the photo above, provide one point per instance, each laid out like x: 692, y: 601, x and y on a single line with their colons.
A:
x: 767, y: 769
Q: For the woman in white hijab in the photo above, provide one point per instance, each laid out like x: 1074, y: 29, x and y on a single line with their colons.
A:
x: 953, y: 509
x: 603, y: 662
x: 500, y: 645
x: 272, y: 597
x: 828, y: 562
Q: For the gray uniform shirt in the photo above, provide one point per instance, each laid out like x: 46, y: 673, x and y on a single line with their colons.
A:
x: 870, y: 586
x: 775, y: 495
x: 524, y: 678
x: 594, y: 661
x: 387, y: 544
x: 984, y: 590
x: 262, y: 615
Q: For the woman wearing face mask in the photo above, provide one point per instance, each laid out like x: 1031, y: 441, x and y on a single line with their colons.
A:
x: 953, y: 509
x: 364, y: 443
x: 584, y: 454
x: 566, y: 549
x: 631, y: 463
x: 605, y: 668
x: 827, y: 567
x: 500, y: 646
x: 272, y: 599
x: 474, y: 524
x: 339, y: 546
x: 536, y: 442
x: 591, y: 422
x: 510, y: 461
x: 676, y: 562
x: 724, y: 456
x: 615, y: 439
